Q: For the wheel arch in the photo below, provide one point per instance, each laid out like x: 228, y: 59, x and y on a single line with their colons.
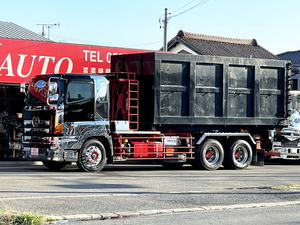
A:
x: 227, y: 137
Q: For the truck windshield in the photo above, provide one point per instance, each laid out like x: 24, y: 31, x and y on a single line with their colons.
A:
x: 78, y: 91
x: 38, y: 90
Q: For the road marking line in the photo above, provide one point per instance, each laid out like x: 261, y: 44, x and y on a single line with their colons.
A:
x: 64, y: 196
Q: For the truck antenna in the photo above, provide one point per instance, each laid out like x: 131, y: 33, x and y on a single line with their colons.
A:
x: 45, y: 25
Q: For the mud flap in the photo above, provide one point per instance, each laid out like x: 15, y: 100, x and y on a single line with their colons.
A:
x: 258, y: 155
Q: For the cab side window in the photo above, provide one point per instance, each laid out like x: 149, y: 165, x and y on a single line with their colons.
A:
x: 78, y: 91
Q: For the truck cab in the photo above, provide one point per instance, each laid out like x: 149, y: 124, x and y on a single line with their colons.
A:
x: 287, y: 141
x: 61, y: 113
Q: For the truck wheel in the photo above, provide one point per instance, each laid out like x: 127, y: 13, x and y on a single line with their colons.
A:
x: 209, y: 155
x: 239, y: 155
x: 53, y: 165
x: 92, y: 156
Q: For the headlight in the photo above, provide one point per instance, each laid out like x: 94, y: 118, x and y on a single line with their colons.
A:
x: 277, y: 144
x: 277, y: 150
x: 298, y: 145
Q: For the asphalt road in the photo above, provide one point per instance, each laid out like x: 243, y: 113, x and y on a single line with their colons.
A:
x: 148, y: 191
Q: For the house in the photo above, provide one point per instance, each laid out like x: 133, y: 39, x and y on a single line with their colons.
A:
x: 24, y: 54
x: 199, y: 44
x: 14, y: 31
x: 11, y: 99
x: 294, y: 57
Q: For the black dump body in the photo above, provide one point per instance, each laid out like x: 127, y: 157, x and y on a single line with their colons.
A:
x: 207, y: 92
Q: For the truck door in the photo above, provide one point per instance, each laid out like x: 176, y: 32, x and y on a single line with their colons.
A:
x: 79, y: 101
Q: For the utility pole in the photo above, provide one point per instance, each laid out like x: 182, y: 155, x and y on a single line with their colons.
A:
x: 165, y: 30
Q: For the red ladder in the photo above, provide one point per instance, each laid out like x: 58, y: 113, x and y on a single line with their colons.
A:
x: 133, y: 104
x: 125, y: 98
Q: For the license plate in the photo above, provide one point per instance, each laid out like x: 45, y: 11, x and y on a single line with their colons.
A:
x: 34, y: 151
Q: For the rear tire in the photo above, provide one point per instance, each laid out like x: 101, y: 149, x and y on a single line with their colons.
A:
x: 239, y: 155
x: 209, y: 155
x: 92, y: 156
x: 53, y: 165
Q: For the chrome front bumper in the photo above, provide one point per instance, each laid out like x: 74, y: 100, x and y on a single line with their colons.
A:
x: 50, y: 148
x: 287, y: 153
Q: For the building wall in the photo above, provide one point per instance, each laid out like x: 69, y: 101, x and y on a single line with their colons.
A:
x: 296, y: 78
x: 180, y: 48
x: 11, y: 107
x: 20, y: 60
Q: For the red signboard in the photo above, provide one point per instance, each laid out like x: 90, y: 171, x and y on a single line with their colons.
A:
x: 20, y: 60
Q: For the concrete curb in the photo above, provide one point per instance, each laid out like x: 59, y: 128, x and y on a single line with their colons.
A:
x: 119, y: 215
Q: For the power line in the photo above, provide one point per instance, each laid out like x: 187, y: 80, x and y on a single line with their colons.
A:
x: 150, y: 43
x: 195, y: 6
x: 183, y: 6
x: 167, y: 18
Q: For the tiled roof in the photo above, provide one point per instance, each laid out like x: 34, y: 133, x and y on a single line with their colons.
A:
x: 293, y: 56
x: 220, y: 46
x: 14, y: 31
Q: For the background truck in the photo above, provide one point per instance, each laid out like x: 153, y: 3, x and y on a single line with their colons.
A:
x: 172, y: 109
x: 286, y: 142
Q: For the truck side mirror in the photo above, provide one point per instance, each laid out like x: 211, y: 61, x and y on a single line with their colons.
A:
x: 53, y: 98
x: 52, y: 92
x: 52, y: 88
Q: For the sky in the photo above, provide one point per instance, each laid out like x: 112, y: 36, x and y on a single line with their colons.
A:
x: 135, y: 23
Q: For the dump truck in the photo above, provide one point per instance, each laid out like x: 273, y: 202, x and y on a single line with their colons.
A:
x: 170, y: 109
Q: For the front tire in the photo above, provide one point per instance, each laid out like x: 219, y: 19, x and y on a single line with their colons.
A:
x: 239, y: 155
x: 209, y: 155
x: 92, y: 156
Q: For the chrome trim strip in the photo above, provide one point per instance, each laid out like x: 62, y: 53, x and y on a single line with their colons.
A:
x: 91, y: 123
x: 224, y: 135
x: 46, y: 130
